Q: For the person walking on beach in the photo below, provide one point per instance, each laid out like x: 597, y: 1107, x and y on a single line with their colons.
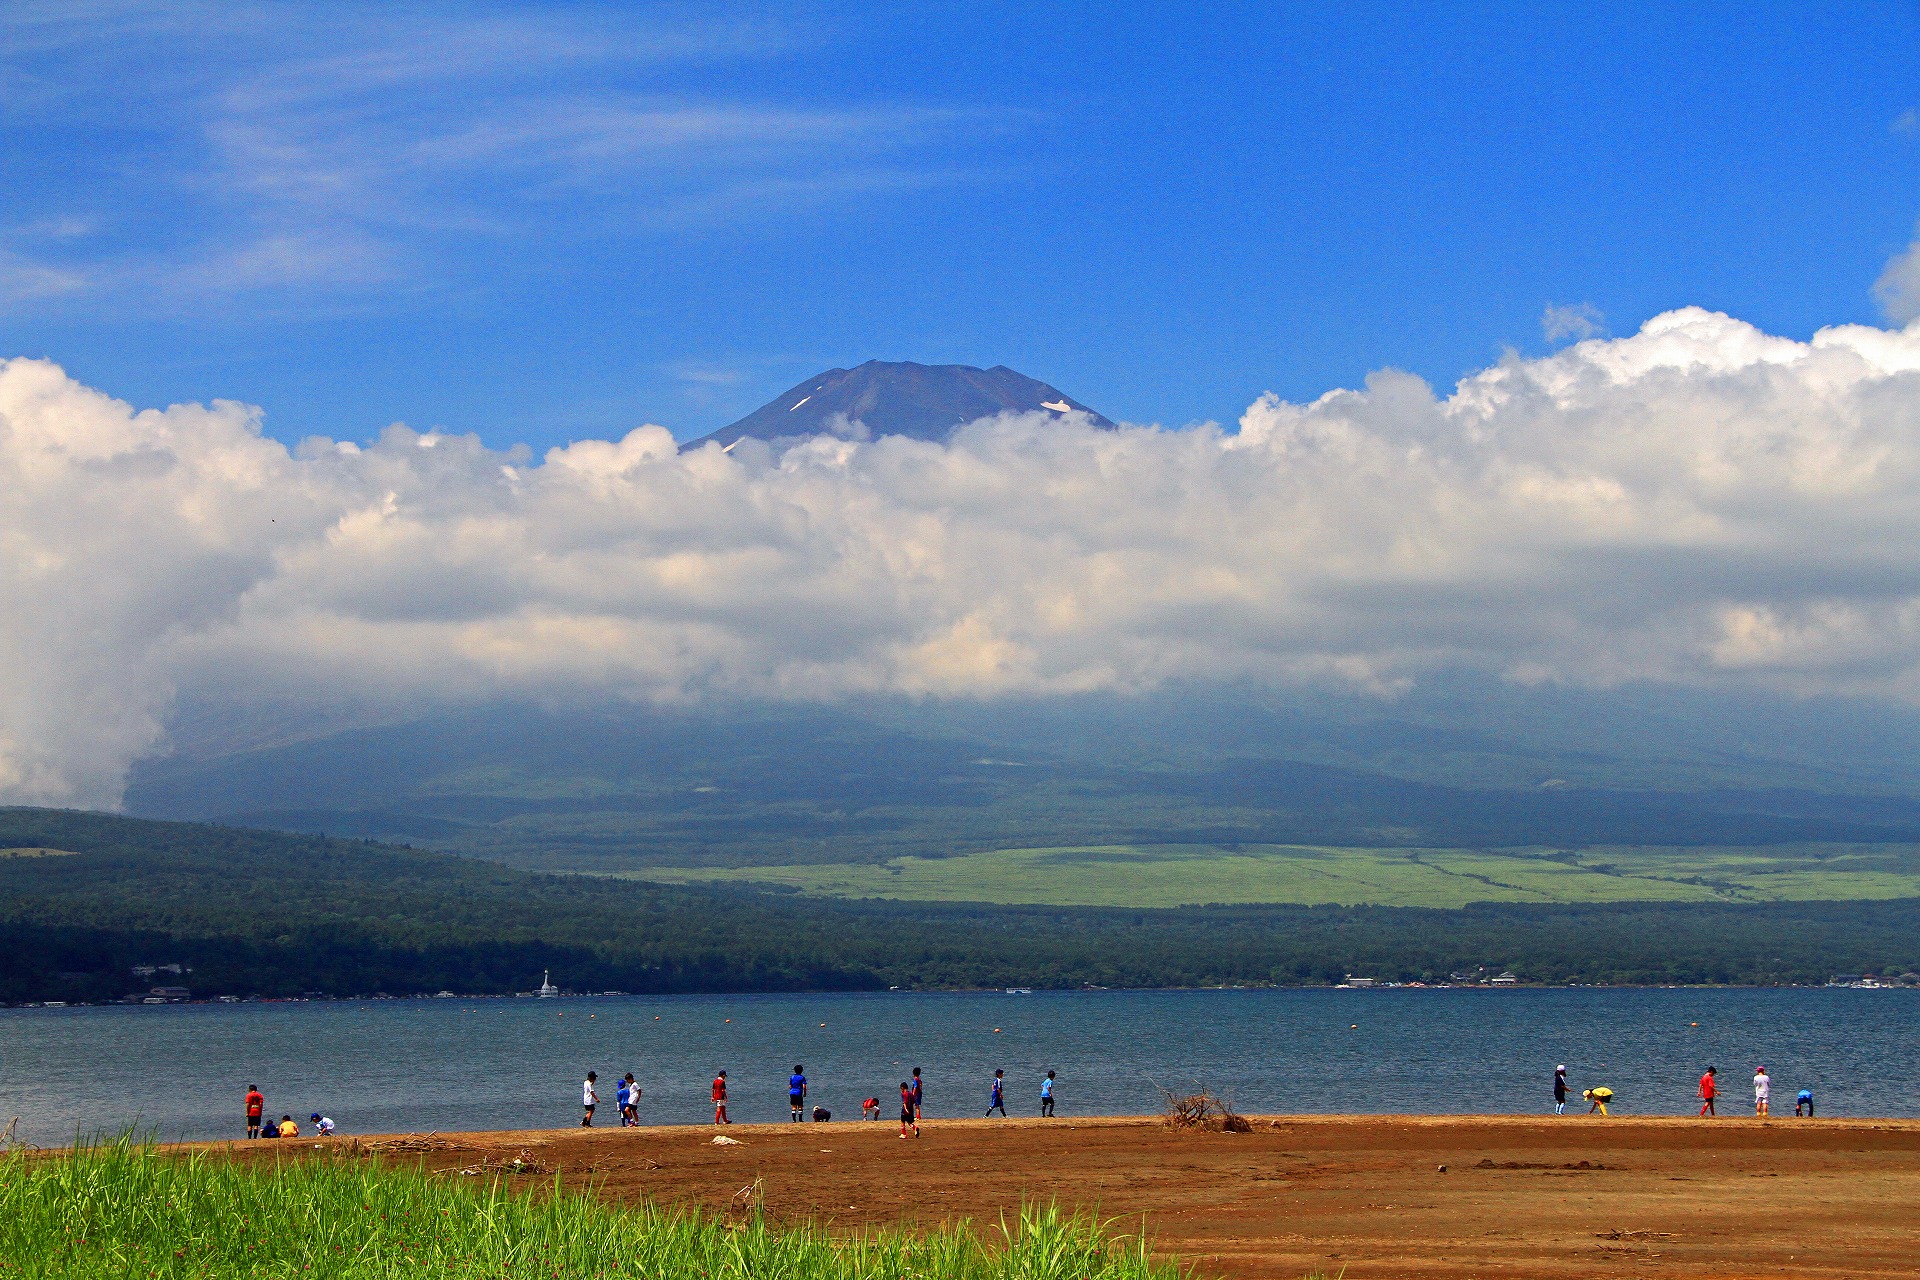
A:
x: 919, y: 1100
x: 797, y: 1091
x: 589, y: 1099
x: 997, y: 1098
x: 1762, y: 1090
x: 1560, y: 1090
x: 1046, y: 1095
x: 1804, y: 1100
x: 256, y: 1103
x: 909, y: 1118
x: 1709, y: 1090
x: 720, y: 1099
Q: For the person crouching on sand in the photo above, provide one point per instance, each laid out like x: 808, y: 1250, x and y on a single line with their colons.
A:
x: 1709, y: 1090
x: 1762, y: 1090
x: 870, y: 1109
x: 909, y: 1118
x: 1599, y: 1097
x: 1804, y: 1101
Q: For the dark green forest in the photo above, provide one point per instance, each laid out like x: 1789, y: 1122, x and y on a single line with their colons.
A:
x: 271, y: 914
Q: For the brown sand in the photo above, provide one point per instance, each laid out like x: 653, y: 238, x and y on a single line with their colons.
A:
x: 1521, y: 1196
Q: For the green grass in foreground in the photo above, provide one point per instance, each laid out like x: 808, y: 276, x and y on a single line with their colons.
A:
x: 124, y: 1210
x: 1178, y: 875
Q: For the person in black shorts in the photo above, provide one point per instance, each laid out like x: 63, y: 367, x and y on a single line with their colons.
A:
x: 909, y: 1119
x: 797, y: 1091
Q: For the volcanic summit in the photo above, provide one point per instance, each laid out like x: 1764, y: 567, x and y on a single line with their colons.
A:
x: 897, y: 398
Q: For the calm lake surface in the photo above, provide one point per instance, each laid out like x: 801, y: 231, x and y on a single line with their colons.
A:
x: 381, y: 1066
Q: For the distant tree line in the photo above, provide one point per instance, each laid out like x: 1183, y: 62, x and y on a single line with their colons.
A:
x: 263, y: 913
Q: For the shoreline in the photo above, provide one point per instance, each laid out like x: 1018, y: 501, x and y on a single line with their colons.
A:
x: 1387, y: 1197
x: 1306, y: 1120
x: 225, y: 1001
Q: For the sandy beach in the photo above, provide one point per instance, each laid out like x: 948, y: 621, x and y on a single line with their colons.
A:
x: 1520, y: 1196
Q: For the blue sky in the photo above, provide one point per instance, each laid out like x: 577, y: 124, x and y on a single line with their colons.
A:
x: 548, y: 222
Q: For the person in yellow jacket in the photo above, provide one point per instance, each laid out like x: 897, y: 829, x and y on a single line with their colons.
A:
x: 1599, y: 1096
x: 288, y: 1129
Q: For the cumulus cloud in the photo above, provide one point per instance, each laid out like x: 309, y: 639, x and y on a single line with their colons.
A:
x: 1898, y: 288
x: 1700, y: 502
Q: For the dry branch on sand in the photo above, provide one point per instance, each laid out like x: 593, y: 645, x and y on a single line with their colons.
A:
x: 1203, y: 1110
x: 522, y: 1163
x: 408, y: 1143
x: 10, y: 1139
x: 748, y: 1201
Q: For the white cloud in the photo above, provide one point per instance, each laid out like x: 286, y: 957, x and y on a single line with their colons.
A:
x: 23, y: 280
x: 1579, y: 322
x: 1699, y: 503
x: 1898, y: 288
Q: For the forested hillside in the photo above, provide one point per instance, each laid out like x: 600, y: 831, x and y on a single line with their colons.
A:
x: 263, y: 913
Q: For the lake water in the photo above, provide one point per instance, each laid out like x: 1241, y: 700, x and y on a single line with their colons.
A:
x: 381, y: 1066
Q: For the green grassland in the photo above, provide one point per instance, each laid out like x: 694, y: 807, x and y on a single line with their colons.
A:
x: 1180, y: 875
x: 128, y: 1211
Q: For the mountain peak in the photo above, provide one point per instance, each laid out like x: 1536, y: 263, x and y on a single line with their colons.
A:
x: 897, y: 398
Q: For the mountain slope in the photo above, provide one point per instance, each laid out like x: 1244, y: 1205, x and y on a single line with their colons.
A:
x: 897, y: 398
x: 611, y: 789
